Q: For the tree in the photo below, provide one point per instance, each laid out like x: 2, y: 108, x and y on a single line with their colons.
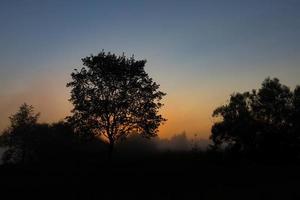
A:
x: 295, y: 120
x: 19, y: 135
x: 263, y: 120
x: 236, y: 125
x: 114, y: 97
x: 271, y: 108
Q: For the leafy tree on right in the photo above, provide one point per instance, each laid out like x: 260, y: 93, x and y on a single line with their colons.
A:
x: 264, y: 121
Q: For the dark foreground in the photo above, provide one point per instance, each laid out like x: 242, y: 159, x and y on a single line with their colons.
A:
x: 177, y: 177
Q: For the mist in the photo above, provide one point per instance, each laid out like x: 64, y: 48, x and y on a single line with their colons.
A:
x: 179, y: 142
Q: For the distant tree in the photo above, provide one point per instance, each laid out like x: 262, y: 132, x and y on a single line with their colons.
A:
x: 263, y: 120
x: 114, y: 97
x: 19, y: 137
x: 136, y: 145
x: 178, y: 142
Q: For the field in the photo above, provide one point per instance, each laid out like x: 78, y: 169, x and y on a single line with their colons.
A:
x: 164, y: 176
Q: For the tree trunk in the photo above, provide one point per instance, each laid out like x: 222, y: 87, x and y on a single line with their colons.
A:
x: 110, y: 148
x: 23, y: 149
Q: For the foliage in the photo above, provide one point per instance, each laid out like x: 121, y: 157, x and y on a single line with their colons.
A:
x: 27, y: 141
x: 114, y: 97
x: 264, y: 120
x: 19, y: 136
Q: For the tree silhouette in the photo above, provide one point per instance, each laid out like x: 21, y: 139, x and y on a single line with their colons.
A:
x: 28, y: 142
x: 264, y: 120
x: 114, y: 97
x: 271, y: 106
x: 19, y: 136
x: 295, y: 120
x: 236, y: 127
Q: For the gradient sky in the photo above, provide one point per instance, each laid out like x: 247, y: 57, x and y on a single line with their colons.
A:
x: 198, y: 51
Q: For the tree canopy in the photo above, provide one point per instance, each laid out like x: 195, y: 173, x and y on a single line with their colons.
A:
x: 263, y: 120
x: 114, y: 97
x: 19, y: 135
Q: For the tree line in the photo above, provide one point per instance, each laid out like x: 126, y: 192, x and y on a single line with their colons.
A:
x: 114, y: 98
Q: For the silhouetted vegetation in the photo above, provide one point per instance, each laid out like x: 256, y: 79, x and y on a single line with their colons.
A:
x: 253, y: 128
x: 263, y: 123
x: 114, y: 97
x: 20, y: 136
x: 29, y: 142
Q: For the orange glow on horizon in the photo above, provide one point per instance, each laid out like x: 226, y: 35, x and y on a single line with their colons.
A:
x: 183, y: 111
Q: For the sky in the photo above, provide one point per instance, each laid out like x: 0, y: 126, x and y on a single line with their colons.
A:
x: 199, y: 52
